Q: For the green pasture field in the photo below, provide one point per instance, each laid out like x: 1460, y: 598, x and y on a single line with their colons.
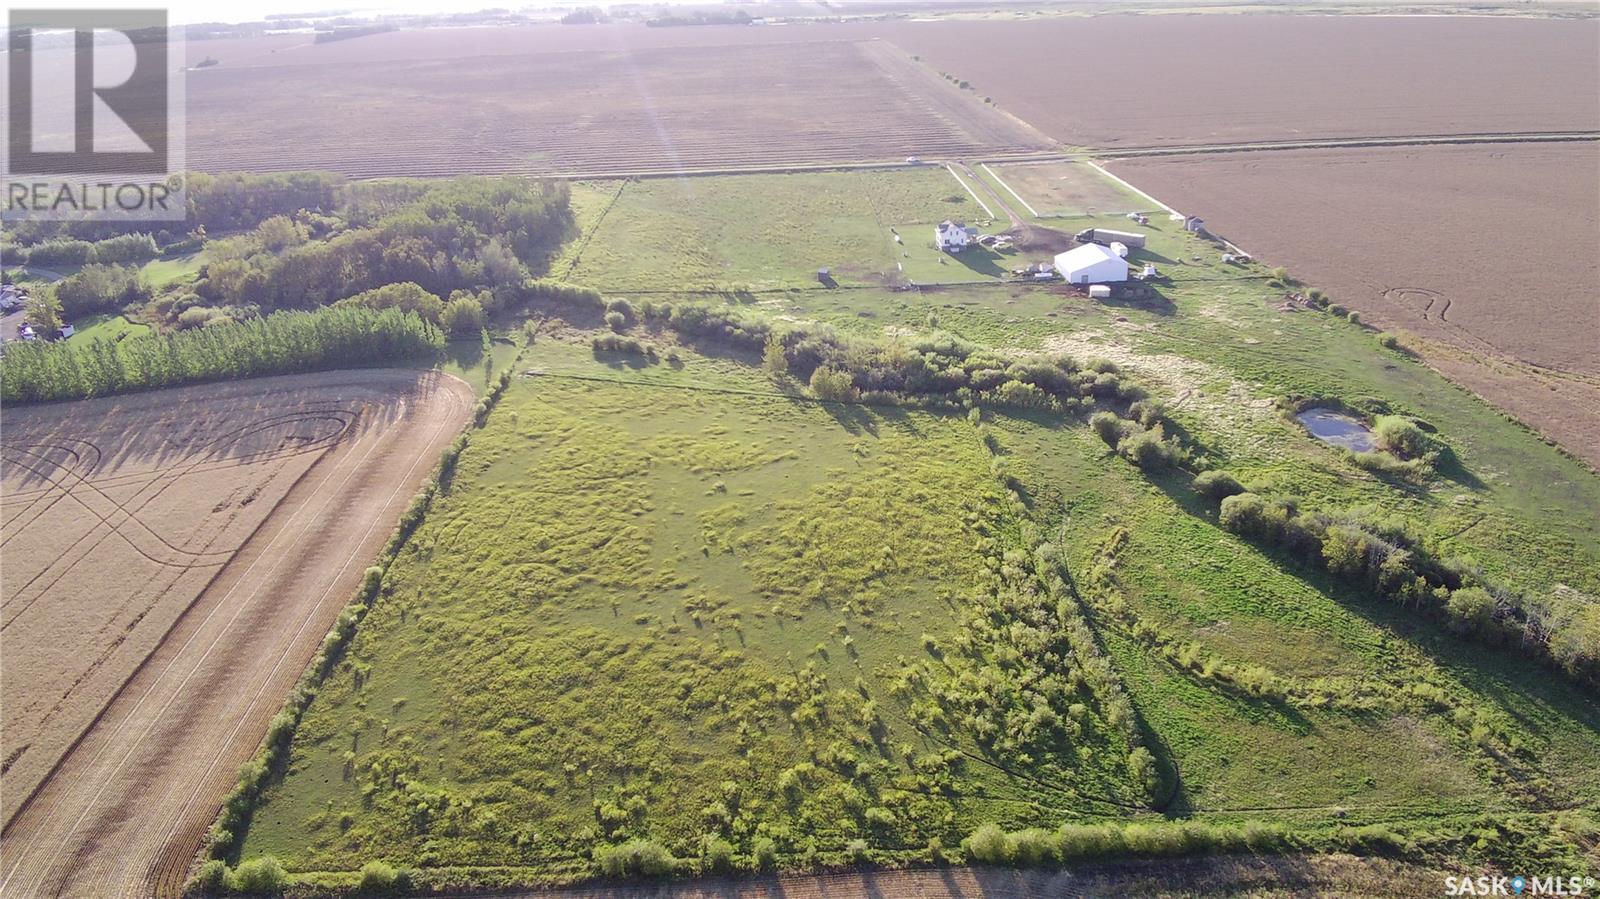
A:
x: 674, y: 598
x: 764, y: 232
x: 467, y: 360
x: 645, y: 599
x: 109, y: 326
x: 162, y: 272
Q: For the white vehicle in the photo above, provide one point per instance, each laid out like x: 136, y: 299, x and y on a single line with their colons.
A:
x: 913, y: 160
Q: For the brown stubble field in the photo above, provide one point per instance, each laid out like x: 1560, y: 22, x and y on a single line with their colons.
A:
x: 172, y: 561
x: 1130, y: 81
x: 1486, y: 252
x: 649, y: 109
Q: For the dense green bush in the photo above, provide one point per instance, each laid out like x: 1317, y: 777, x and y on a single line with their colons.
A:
x: 716, y: 854
x: 463, y: 317
x: 635, y: 858
x: 405, y: 296
x: 617, y: 343
x: 1217, y: 485
x: 1401, y: 436
x: 262, y: 875
x: 832, y: 384
x: 380, y: 877
x: 99, y: 288
x: 1109, y: 427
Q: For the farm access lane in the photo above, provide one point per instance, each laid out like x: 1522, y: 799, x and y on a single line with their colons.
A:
x: 1325, y: 875
x: 125, y: 810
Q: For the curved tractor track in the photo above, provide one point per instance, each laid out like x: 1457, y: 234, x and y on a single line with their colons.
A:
x: 251, y: 510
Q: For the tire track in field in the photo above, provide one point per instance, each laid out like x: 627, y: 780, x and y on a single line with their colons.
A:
x: 162, y: 482
x: 164, y: 743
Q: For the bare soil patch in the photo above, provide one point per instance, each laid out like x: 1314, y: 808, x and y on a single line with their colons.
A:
x: 1069, y: 188
x: 641, y: 109
x: 173, y: 559
x: 1125, y: 81
x: 1485, y: 252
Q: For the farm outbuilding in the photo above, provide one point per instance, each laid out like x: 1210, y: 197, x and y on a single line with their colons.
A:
x: 1091, y: 264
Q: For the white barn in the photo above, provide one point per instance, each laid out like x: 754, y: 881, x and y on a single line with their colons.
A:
x: 954, y: 236
x: 1091, y: 264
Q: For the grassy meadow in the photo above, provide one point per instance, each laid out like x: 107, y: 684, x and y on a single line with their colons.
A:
x: 675, y: 598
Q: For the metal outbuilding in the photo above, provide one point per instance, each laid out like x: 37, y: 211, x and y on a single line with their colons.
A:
x: 1092, y: 264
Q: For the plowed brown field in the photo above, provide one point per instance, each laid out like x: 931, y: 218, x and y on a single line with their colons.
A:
x: 172, y: 561
x: 1486, y: 251
x: 649, y: 109
x: 1126, y: 81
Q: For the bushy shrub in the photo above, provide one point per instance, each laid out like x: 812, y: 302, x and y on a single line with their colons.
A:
x: 616, y: 321
x: 1108, y: 426
x: 1151, y: 450
x: 1400, y: 436
x: 988, y: 845
x: 832, y: 384
x: 463, y: 317
x: 858, y: 851
x: 574, y: 296
x: 378, y: 877
x: 1471, y: 610
x: 1217, y: 485
x: 262, y: 875
x: 716, y: 854
x: 765, y: 852
x: 1142, y: 770
x: 212, y: 877
x: 616, y: 343
x: 635, y: 858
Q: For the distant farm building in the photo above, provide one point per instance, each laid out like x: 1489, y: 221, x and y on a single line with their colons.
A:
x: 1092, y: 264
x: 953, y: 237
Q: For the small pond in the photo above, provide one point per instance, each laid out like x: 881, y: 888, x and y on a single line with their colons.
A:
x: 1338, y: 429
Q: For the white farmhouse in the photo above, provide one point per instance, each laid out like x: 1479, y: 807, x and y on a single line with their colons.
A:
x: 953, y: 237
x: 1091, y: 264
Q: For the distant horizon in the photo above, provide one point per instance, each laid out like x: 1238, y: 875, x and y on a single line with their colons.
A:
x: 195, y: 12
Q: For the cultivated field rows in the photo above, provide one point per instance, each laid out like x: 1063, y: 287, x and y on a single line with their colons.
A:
x: 330, y: 460
x: 1484, y: 251
x: 659, y: 109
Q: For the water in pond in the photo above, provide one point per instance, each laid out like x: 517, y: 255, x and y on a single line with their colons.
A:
x: 1338, y: 429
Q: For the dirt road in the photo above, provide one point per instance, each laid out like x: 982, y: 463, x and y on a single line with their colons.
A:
x: 1325, y: 875
x: 124, y: 809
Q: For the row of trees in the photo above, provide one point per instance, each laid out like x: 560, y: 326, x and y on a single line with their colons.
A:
x: 276, y: 344
x: 135, y: 247
x: 1392, y: 563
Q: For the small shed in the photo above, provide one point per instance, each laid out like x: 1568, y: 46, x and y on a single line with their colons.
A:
x: 1194, y: 223
x: 1091, y: 264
